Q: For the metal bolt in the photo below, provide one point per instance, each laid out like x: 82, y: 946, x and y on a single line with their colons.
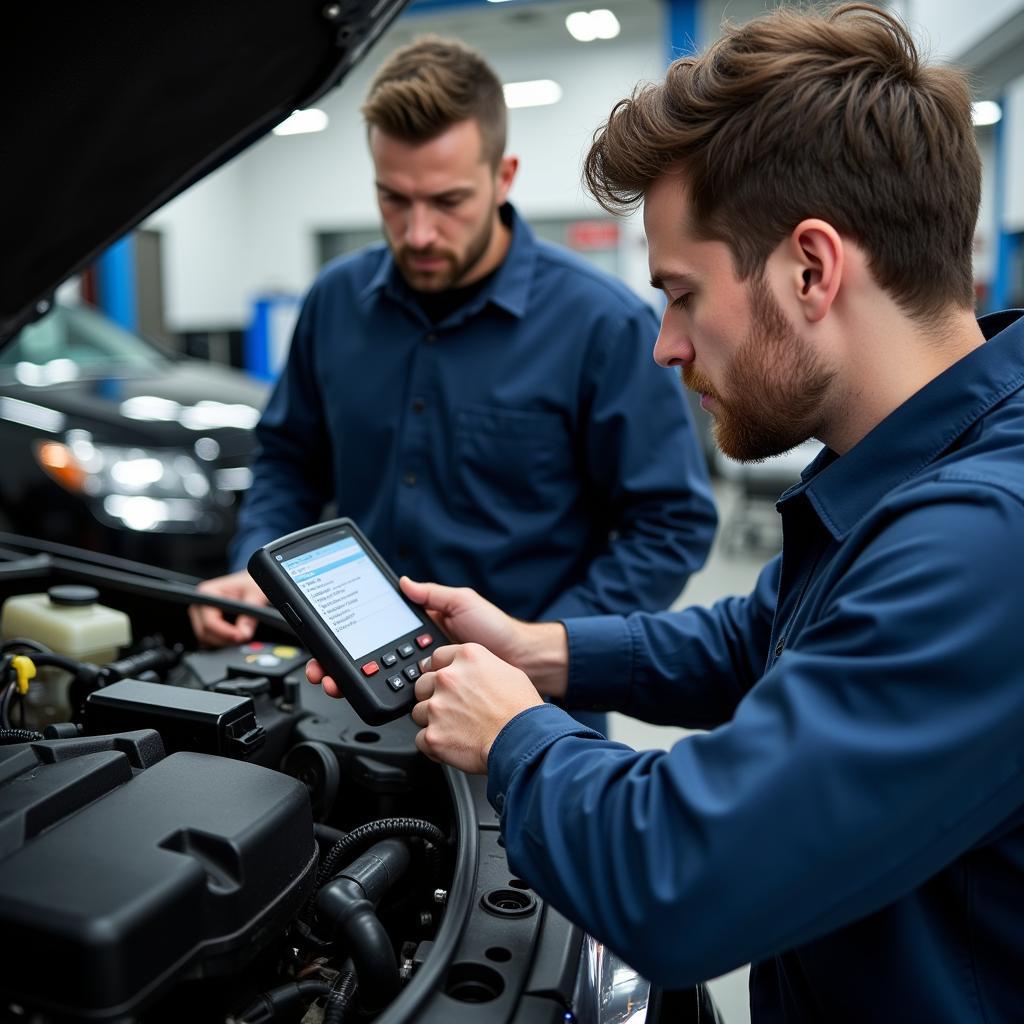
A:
x: 441, y: 896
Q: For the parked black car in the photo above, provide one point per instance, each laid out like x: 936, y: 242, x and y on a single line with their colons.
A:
x: 117, y: 446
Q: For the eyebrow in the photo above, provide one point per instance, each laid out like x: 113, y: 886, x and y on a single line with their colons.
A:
x: 460, y: 192
x: 658, y: 280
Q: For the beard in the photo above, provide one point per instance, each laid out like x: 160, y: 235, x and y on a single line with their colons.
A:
x: 774, y: 388
x: 456, y: 268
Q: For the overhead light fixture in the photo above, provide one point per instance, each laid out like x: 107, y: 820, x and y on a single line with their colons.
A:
x: 541, y: 92
x: 302, y: 121
x: 586, y: 26
x: 986, y: 112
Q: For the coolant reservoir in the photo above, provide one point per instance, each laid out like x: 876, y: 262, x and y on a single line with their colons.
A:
x: 68, y: 620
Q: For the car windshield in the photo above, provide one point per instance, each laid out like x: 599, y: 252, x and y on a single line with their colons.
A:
x: 69, y: 343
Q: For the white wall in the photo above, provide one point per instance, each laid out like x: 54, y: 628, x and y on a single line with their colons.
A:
x: 985, y: 236
x: 949, y: 28
x: 1013, y: 135
x: 203, y: 247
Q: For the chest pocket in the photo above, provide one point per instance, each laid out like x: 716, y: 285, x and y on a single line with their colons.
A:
x: 506, y: 458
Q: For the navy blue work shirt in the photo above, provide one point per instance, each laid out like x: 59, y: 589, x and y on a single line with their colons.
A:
x: 853, y: 823
x: 527, y: 445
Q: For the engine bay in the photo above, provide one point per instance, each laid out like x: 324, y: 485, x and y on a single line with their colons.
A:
x: 204, y: 833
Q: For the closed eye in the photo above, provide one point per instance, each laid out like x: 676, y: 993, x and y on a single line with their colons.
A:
x: 682, y: 301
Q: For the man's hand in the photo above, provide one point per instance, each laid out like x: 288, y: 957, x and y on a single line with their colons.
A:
x: 465, y: 700
x: 466, y: 617
x: 538, y: 649
x: 210, y: 625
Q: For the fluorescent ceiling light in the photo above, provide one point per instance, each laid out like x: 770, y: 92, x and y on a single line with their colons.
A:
x: 986, y: 112
x: 606, y: 25
x: 301, y: 121
x: 586, y: 26
x: 539, y: 93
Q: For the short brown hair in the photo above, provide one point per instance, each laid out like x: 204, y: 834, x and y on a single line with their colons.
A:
x: 426, y: 87
x: 812, y: 114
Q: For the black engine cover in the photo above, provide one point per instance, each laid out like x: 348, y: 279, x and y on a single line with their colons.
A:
x: 122, y: 871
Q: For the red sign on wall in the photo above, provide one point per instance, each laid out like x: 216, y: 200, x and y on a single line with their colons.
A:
x: 588, y: 235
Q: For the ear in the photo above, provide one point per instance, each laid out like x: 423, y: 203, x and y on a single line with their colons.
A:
x: 815, y: 252
x: 504, y: 176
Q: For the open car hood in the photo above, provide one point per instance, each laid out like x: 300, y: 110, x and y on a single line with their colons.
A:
x: 113, y: 109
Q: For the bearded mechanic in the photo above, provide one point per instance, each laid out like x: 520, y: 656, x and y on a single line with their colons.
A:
x: 851, y: 822
x: 475, y: 398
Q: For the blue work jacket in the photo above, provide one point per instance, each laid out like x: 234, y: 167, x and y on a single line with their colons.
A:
x: 853, y: 821
x: 527, y: 445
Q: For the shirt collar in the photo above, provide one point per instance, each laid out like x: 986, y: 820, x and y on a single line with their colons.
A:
x: 511, y: 286
x: 844, y: 489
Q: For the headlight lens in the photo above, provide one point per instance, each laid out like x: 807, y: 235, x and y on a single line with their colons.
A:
x: 143, y: 489
x: 608, y: 990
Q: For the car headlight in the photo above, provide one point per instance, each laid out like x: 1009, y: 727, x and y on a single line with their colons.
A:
x: 608, y: 990
x: 141, y: 488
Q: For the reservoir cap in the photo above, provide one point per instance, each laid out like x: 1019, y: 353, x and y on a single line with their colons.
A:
x: 73, y: 595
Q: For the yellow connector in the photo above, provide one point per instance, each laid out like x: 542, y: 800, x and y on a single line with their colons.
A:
x: 25, y: 668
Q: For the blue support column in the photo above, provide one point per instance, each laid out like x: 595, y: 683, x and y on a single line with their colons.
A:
x: 116, y: 273
x: 682, y: 27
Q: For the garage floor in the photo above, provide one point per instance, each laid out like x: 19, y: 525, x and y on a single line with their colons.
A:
x: 731, y: 571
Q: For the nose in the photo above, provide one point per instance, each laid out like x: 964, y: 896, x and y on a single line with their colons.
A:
x: 673, y: 347
x: 420, y: 232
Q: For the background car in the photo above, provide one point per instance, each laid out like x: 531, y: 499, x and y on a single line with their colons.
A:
x: 116, y: 445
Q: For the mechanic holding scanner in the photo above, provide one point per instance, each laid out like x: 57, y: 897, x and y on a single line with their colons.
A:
x: 852, y: 820
x: 482, y: 403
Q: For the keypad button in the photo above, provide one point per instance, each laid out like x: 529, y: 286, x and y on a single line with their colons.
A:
x: 387, y: 660
x: 406, y: 650
x: 371, y: 668
x: 396, y: 682
x: 424, y: 640
x: 411, y: 672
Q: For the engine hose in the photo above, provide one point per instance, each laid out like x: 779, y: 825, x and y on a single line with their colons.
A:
x: 343, y: 907
x: 339, y: 999
x: 283, y: 1002
x: 19, y: 736
x: 362, y: 838
x: 326, y: 835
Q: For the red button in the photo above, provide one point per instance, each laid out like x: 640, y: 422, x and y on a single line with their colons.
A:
x: 371, y: 668
x: 424, y: 640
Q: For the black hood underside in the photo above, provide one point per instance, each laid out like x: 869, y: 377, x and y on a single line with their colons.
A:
x: 114, y: 108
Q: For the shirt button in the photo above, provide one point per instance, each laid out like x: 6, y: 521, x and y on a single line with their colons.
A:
x: 418, y: 405
x: 431, y: 336
x: 409, y: 479
x: 779, y: 646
